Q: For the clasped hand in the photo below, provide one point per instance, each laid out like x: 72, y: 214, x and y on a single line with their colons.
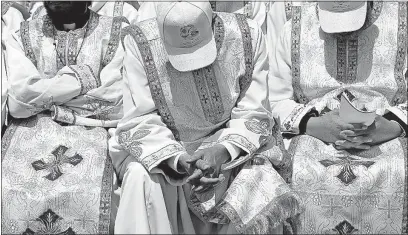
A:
x: 204, y: 167
x: 330, y: 128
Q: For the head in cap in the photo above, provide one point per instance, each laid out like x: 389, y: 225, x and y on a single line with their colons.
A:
x: 186, y: 31
x: 342, y: 16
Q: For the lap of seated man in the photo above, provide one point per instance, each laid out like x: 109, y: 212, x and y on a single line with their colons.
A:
x: 196, y: 148
x: 65, y: 90
x: 353, y: 179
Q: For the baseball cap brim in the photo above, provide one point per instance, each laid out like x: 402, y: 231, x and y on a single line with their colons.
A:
x: 189, y: 59
x: 340, y: 22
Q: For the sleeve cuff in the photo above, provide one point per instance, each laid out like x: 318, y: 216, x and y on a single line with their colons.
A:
x: 173, y: 161
x: 86, y: 78
x: 233, y: 150
x: 400, y: 112
x: 61, y: 114
x: 292, y: 123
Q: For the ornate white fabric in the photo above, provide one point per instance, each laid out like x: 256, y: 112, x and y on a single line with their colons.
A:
x: 58, y: 176
x: 345, y: 191
x: 168, y: 112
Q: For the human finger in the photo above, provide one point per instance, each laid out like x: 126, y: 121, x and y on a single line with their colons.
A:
x: 360, y: 147
x: 195, y: 157
x: 359, y: 139
x: 193, y: 178
x: 344, y: 144
x: 204, y: 166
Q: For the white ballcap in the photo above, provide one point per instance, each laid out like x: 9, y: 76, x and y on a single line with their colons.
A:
x: 342, y: 16
x: 186, y: 31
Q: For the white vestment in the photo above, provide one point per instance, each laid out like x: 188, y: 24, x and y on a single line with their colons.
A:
x: 168, y: 113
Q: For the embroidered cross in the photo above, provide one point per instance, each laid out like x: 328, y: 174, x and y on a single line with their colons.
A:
x: 331, y: 206
x: 215, y: 96
x: 49, y: 225
x: 388, y: 209
x: 346, y: 174
x: 83, y: 221
x: 54, y: 166
x: 345, y: 228
x: 28, y: 221
x: 205, y: 99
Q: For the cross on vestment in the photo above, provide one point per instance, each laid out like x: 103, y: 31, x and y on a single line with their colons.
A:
x: 332, y: 207
x: 49, y: 225
x: 54, y: 167
x: 388, y: 209
x: 346, y: 174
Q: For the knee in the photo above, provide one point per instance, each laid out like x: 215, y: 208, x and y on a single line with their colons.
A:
x: 136, y: 171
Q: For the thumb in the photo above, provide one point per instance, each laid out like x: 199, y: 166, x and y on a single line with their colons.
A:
x: 195, y: 157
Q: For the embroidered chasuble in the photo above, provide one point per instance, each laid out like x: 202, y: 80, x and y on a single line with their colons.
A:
x: 168, y: 112
x: 344, y: 192
x: 64, y: 90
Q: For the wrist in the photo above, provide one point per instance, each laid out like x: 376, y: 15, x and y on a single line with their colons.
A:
x: 398, y: 129
x: 310, y: 125
x: 225, y: 154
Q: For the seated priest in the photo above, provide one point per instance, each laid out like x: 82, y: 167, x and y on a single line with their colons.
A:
x: 65, y: 90
x: 350, y: 174
x: 112, y: 9
x: 196, y: 149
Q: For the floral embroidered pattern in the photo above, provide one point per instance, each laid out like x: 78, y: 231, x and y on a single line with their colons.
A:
x: 131, y: 143
x: 345, y: 228
x: 54, y: 167
x: 346, y: 174
x: 49, y: 225
x: 260, y: 127
x: 100, y: 109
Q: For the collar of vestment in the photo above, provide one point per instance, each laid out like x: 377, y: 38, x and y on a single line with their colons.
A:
x: 90, y: 25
